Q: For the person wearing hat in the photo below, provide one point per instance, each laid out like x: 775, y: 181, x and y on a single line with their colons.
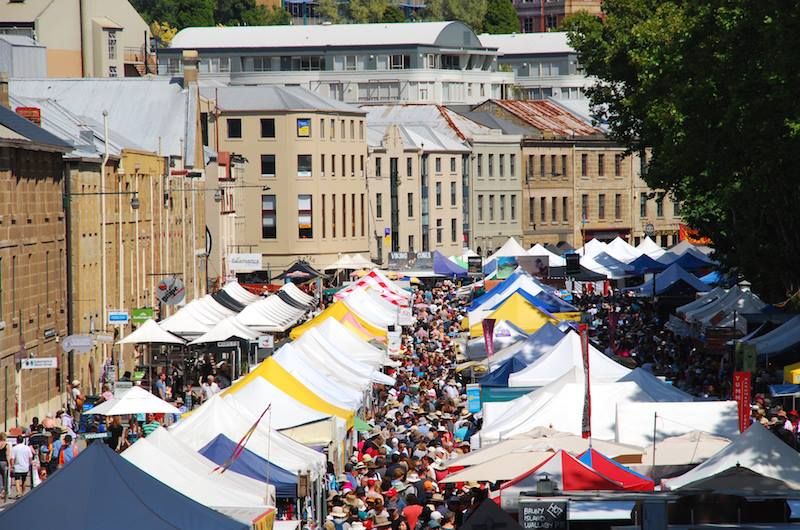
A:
x: 339, y: 519
x: 76, y: 399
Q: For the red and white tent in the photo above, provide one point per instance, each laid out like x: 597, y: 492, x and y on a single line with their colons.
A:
x: 630, y: 480
x: 380, y: 284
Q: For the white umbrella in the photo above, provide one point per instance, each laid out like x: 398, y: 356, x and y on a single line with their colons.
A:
x: 691, y: 448
x: 151, y: 333
x: 134, y: 401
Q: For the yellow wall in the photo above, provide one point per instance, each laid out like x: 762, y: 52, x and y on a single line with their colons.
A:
x: 63, y: 63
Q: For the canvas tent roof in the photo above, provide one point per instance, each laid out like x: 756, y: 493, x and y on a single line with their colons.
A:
x: 151, y: 333
x: 503, y: 467
x: 197, y: 317
x: 782, y: 338
x: 511, y: 248
x: 687, y: 449
x: 706, y: 298
x: 228, y: 329
x: 591, y: 248
x: 445, y: 267
x: 635, y: 420
x: 644, y: 264
x: 555, y: 260
x: 274, y: 314
x: 673, y: 279
x: 489, y: 515
x: 649, y: 247
x: 518, y: 310
x: 297, y: 294
x: 135, y: 400
x: 341, y: 312
x: 691, y: 259
x: 563, y: 358
x: 349, y: 342
x: 499, y: 376
x: 304, y: 272
x: 756, y: 449
x: 630, y: 480
x: 371, y: 308
x: 240, y: 294
x: 621, y: 250
x: 737, y: 480
x: 117, y: 487
x: 505, y: 334
x: 519, y: 280
x: 607, y: 265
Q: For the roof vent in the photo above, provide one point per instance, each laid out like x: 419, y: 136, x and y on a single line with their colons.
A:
x: 86, y: 135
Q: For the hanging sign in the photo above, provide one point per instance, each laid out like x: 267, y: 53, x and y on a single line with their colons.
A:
x: 77, y: 343
x: 741, y: 395
x: 171, y: 290
x: 118, y: 317
x: 474, y: 397
x: 39, y: 363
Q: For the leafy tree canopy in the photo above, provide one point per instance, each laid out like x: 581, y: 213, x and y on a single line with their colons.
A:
x: 712, y: 87
x: 180, y: 14
x: 501, y: 17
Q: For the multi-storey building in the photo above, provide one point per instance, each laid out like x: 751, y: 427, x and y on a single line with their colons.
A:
x: 544, y: 65
x: 427, y: 62
x: 84, y: 38
x: 33, y: 304
x: 305, y: 172
x: 418, y: 180
x: 547, y: 15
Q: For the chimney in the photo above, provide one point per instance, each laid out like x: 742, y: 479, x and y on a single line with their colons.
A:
x: 190, y: 59
x: 4, y: 90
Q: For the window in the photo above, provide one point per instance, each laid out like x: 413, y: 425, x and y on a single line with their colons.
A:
x: 438, y: 164
x: 324, y: 218
x: 512, y: 163
x: 660, y: 205
x: 513, y: 204
x: 553, y: 209
x: 268, y: 127
x: 352, y: 165
x: 258, y: 64
x: 344, y: 165
x: 665, y: 241
x: 480, y: 207
x: 453, y: 230
x: 322, y: 164
x: 501, y: 162
x: 438, y: 193
x: 542, y: 209
x: 452, y: 164
x: 305, y: 63
x: 479, y: 166
x: 451, y: 62
x: 430, y: 60
x: 378, y: 166
x: 676, y: 208
x: 379, y: 205
x: 363, y: 229
x: 564, y: 209
x: 617, y: 165
x: 642, y: 205
x: 361, y: 165
x: 269, y: 216
x: 349, y: 62
x: 234, y: 127
x: 584, y: 165
x: 344, y: 215
x: 601, y: 206
x: 267, y: 165
x: 453, y: 189
x: 411, y: 243
x: 491, y: 166
x: 303, y: 165
x: 343, y: 130
x: 563, y: 166
x: 333, y: 214
x: 112, y: 71
x: 409, y: 167
x: 399, y: 62
x: 584, y: 207
x: 352, y: 129
x: 333, y: 165
x: 552, y: 165
x: 541, y: 166
x: 112, y: 45
x: 491, y: 207
x: 303, y: 127
x: 618, y: 206
x: 361, y: 129
x: 439, y: 231
x: 333, y: 128
x: 601, y: 165
x: 353, y: 215
x: 410, y: 199
x: 304, y: 217
x: 531, y: 210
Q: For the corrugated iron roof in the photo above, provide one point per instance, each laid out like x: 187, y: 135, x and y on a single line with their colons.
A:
x: 548, y: 117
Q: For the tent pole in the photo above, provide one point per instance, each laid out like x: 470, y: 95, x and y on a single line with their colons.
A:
x: 655, y: 422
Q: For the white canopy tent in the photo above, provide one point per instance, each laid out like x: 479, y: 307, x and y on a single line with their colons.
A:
x: 691, y: 448
x: 271, y: 314
x: 756, y: 449
x: 151, y: 333
x: 503, y: 467
x: 622, y: 251
x: 296, y: 294
x: 635, y: 421
x: 704, y: 299
x: 607, y: 265
x: 240, y: 294
x: 134, y: 400
x: 563, y: 358
x: 358, y: 261
x: 217, y: 417
x: 592, y: 248
x: 196, y: 317
x: 779, y: 339
x: 178, y: 469
x: 350, y: 343
x: 370, y: 309
x: 554, y: 259
x: 649, y: 247
x: 510, y: 249
x: 228, y: 329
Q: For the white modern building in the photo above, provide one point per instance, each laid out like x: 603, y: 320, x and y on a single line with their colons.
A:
x: 425, y: 62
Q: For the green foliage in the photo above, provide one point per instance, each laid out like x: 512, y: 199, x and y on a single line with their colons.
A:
x: 470, y: 12
x: 186, y: 13
x: 362, y: 11
x: 393, y: 14
x: 183, y: 13
x: 329, y: 11
x: 712, y: 87
x: 501, y: 17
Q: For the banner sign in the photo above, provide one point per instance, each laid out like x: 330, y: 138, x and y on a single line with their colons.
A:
x: 142, y: 315
x: 474, y: 398
x: 410, y: 261
x: 741, y: 395
x: 586, y: 430
x: 38, y: 363
x: 506, y: 266
x: 244, y: 262
x: 535, y: 265
x: 118, y: 317
x: 488, y: 335
x: 170, y: 290
x: 78, y: 343
x: 543, y: 514
x: 475, y: 265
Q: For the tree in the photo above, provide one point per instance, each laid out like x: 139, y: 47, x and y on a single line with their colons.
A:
x: 501, y: 17
x: 183, y: 13
x: 328, y: 10
x: 362, y: 11
x: 163, y: 32
x: 470, y: 12
x: 393, y: 14
x: 263, y: 16
x: 711, y: 86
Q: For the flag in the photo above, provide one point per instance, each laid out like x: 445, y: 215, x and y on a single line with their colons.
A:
x: 488, y: 335
x: 240, y: 447
x: 586, y: 424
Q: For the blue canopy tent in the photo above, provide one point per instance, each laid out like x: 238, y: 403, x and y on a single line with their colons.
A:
x: 505, y: 285
x: 531, y: 299
x: 499, y: 377
x: 644, y: 264
x: 100, y: 489
x: 490, y: 267
x: 251, y: 465
x: 674, y: 280
x: 531, y: 348
x: 443, y: 266
x: 690, y: 261
x: 555, y: 304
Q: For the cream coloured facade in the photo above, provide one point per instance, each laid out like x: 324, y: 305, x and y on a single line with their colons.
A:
x: 303, y: 192
x: 84, y: 38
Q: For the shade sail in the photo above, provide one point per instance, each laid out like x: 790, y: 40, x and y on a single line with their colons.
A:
x: 504, y: 467
x: 135, y: 400
x: 756, y: 449
x: 630, y: 480
x: 117, y: 487
x: 250, y: 465
x: 151, y: 333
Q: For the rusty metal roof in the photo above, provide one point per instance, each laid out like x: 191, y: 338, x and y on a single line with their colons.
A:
x: 548, y: 117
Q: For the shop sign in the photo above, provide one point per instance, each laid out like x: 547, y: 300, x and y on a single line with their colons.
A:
x: 540, y: 514
x: 77, y: 343
x: 142, y: 315
x: 244, y: 262
x: 171, y: 290
x: 39, y: 363
x: 118, y: 317
x: 266, y: 342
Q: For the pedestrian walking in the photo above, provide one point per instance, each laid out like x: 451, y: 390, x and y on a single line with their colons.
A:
x: 21, y: 460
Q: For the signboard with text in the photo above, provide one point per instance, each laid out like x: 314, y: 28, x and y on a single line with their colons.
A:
x: 171, y: 290
x: 142, y: 315
x: 266, y: 341
x: 741, y: 395
x: 39, y: 363
x: 118, y: 317
x: 474, y: 397
x: 78, y: 343
x: 536, y: 514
